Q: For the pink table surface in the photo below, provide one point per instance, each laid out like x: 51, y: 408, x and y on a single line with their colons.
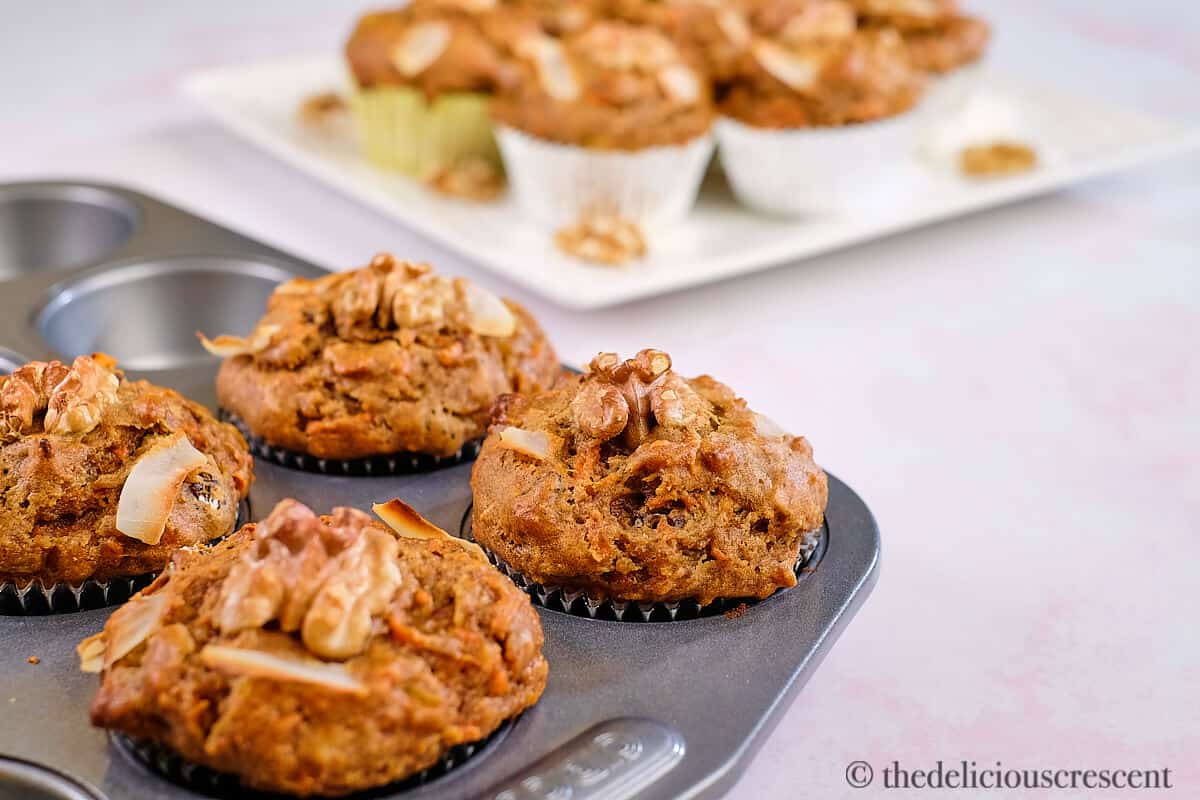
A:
x: 1016, y: 394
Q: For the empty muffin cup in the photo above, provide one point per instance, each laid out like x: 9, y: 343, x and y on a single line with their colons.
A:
x: 61, y: 226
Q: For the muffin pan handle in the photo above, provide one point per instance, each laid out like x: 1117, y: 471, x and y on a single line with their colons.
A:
x: 615, y: 760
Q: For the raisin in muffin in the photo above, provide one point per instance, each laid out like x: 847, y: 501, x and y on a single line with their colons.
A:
x: 320, y: 655
x: 631, y: 482
x: 385, y: 359
x: 102, y: 477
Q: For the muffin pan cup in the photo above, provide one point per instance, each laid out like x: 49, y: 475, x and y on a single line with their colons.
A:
x: 401, y: 463
x: 211, y: 783
x: 581, y: 604
x: 36, y: 598
x: 647, y: 711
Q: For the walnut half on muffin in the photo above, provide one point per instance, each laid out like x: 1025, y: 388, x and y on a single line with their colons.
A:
x: 385, y: 359
x: 102, y: 477
x: 320, y: 655
x: 631, y: 482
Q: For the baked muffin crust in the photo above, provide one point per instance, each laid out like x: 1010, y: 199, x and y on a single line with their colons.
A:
x: 384, y: 359
x: 70, y: 436
x: 319, y: 655
x: 633, y: 483
x: 611, y: 86
x: 810, y: 65
x: 953, y: 43
x: 436, y: 46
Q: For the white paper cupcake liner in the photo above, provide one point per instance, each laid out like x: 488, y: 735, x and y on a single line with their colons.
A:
x: 556, y: 184
x: 812, y: 171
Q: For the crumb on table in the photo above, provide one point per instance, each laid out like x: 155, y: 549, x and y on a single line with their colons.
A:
x: 997, y: 159
x: 735, y: 612
x: 34, y: 660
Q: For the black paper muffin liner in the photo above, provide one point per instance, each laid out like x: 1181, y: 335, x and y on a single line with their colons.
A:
x: 404, y: 463
x: 579, y: 604
x: 37, y: 599
x: 170, y: 765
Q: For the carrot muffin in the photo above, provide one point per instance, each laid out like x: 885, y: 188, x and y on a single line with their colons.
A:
x: 423, y: 76
x: 102, y: 477
x: 319, y: 655
x: 611, y: 119
x: 385, y: 359
x: 810, y: 66
x: 715, y: 34
x: 631, y: 482
x: 814, y: 93
x: 939, y: 37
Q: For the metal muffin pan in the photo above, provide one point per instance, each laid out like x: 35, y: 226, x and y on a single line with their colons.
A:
x: 632, y: 710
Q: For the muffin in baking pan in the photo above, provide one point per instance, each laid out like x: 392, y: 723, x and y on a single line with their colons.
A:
x: 102, y: 477
x: 389, y: 362
x: 318, y: 655
x: 814, y: 94
x: 613, y: 119
x: 632, y: 483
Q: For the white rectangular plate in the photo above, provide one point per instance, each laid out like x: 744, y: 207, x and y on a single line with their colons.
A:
x: 720, y: 239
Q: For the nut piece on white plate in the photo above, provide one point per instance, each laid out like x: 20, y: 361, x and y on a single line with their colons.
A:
x: 989, y: 136
x: 601, y: 238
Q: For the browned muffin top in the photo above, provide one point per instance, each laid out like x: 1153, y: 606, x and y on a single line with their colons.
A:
x: 388, y: 358
x: 103, y: 477
x: 612, y: 85
x: 436, y: 46
x: 948, y: 45
x: 633, y: 482
x: 320, y: 655
x: 810, y: 65
x: 907, y: 15
x: 714, y: 33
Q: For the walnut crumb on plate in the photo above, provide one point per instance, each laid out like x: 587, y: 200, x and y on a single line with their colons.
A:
x: 472, y: 179
x: 602, y: 239
x: 327, y: 113
x: 997, y: 159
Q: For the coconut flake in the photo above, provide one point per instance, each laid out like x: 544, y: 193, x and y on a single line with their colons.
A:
x: 680, y: 83
x: 129, y: 626
x: 227, y: 346
x: 91, y: 652
x: 766, y: 426
x: 404, y: 520
x: 487, y: 315
x: 421, y: 46
x: 152, y: 486
x: 535, y: 444
x: 734, y: 26
x: 258, y: 664
x: 797, y: 72
x: 553, y: 69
